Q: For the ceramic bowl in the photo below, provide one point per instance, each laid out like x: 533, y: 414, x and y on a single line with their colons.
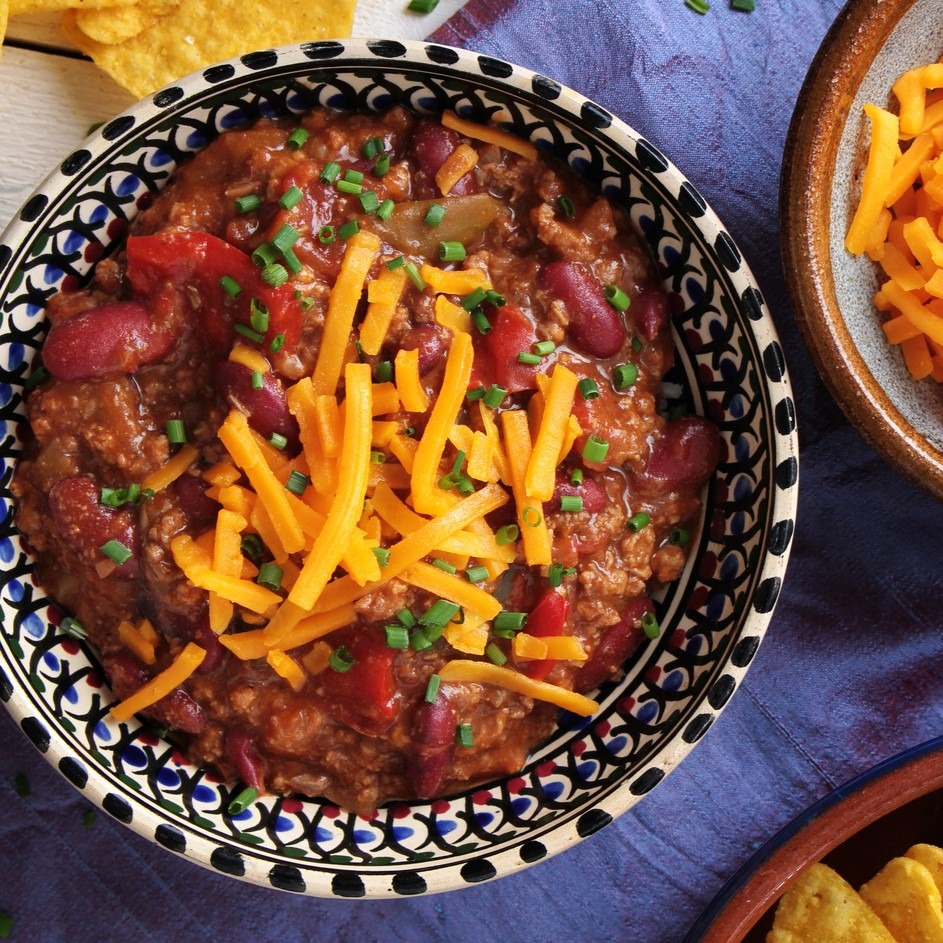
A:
x: 856, y: 829
x: 870, y: 44
x: 729, y: 364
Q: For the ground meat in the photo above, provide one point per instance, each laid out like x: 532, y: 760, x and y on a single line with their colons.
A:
x: 356, y: 709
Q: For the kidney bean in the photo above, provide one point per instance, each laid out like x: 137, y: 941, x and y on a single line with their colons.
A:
x: 591, y: 491
x: 114, y: 338
x: 177, y: 710
x: 649, y: 311
x: 432, y: 143
x: 684, y: 456
x: 428, y: 340
x: 241, y: 750
x: 594, y: 324
x: 434, y: 743
x: 193, y: 499
x: 84, y: 525
x: 266, y: 409
x: 614, y: 647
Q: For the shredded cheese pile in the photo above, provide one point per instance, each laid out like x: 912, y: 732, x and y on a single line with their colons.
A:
x: 378, y: 520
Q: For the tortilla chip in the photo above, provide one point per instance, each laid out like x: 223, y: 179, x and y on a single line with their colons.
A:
x: 18, y: 7
x: 905, y: 896
x: 111, y: 25
x: 822, y: 907
x: 931, y: 857
x: 198, y: 33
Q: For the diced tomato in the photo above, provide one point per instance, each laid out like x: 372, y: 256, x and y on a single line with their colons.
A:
x: 169, y: 267
x: 496, y: 352
x: 363, y: 697
x: 548, y: 617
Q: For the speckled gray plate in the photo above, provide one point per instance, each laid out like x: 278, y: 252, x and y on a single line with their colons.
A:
x: 729, y: 365
x: 870, y: 44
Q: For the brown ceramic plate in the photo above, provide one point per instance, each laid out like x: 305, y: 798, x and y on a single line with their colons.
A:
x: 856, y: 829
x: 869, y: 45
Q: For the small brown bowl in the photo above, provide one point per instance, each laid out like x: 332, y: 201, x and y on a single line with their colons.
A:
x: 869, y: 45
x: 856, y: 829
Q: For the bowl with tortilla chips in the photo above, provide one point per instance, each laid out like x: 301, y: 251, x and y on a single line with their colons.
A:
x: 696, y: 638
x: 865, y: 862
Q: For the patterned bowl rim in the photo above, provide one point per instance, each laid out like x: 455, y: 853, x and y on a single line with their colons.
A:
x: 732, y: 366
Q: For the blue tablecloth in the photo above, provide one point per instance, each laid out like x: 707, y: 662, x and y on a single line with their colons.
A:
x: 849, y: 672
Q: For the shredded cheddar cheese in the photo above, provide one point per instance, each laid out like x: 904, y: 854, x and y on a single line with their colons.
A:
x: 189, y: 659
x: 171, y: 470
x: 461, y: 161
x: 481, y: 132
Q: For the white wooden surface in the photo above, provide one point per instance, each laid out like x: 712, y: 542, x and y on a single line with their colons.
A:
x: 50, y: 97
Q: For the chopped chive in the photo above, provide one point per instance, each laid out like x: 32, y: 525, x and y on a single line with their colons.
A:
x: 397, y: 636
x: 353, y: 176
x: 476, y: 574
x: 507, y: 534
x: 588, y: 388
x: 422, y: 6
x: 624, y: 376
x: 290, y: 198
x: 296, y: 139
x: 277, y: 441
x: 176, y: 433
x: 71, y: 626
x: 414, y: 276
x: 248, y: 203
x: 528, y: 358
x: 242, y: 801
x: 698, y: 6
x: 252, y: 546
x: 480, y: 320
x: 230, y: 286
x: 595, y: 449
x: 531, y: 516
x: 258, y: 316
x: 377, y: 457
x: 396, y: 263
x: 329, y: 174
x: 650, y: 625
x: 274, y: 274
x: 297, y: 482
x: 571, y: 502
x: 494, y: 396
x: 567, y: 207
x: 638, y: 521
x: 350, y: 228
x: 494, y: 654
x: 460, y: 457
x: 451, y: 251
x: 326, y: 235
x: 432, y: 688
x: 264, y: 254
x: 474, y: 298
x: 292, y: 262
x: 495, y: 298
x: 510, y: 620
x: 679, y: 537
x: 257, y: 380
x: 555, y: 574
x: 747, y: 6
x: 637, y: 344
x: 382, y: 555
x: 116, y: 551
x: 434, y: 215
x: 464, y: 736
x: 419, y: 641
x: 385, y: 209
x: 406, y: 617
x: 383, y: 372
x: 370, y: 201
x: 341, y: 660
x: 38, y: 376
x: 349, y: 187
x: 270, y: 576
x: 285, y: 238
x: 616, y: 297
x: 440, y: 612
x: 475, y: 393
x: 278, y: 342
x: 576, y: 476
x: 372, y: 147
x: 543, y: 348
x: 443, y: 565
x: 381, y: 166
x: 247, y: 332
x: 88, y: 819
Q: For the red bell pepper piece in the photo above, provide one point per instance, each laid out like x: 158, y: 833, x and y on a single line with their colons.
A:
x: 496, y: 352
x: 548, y: 617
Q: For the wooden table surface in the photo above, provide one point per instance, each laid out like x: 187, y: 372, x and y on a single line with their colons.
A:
x: 50, y: 95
